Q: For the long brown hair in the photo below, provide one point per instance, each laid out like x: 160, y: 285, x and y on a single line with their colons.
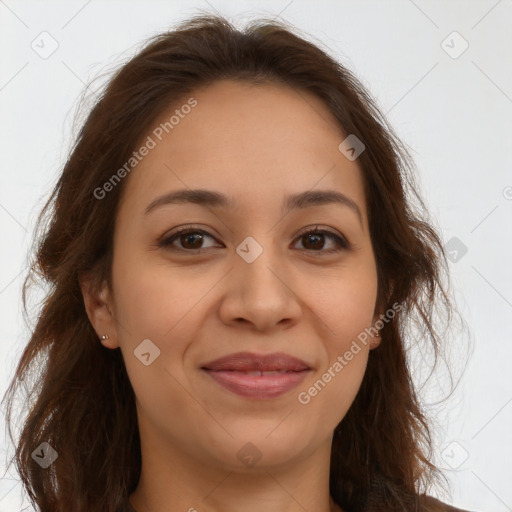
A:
x: 81, y: 401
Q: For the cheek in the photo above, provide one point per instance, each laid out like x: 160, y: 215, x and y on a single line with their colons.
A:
x: 155, y: 304
x: 346, y: 310
x: 155, y: 300
x: 150, y: 307
x: 329, y: 396
x: 331, y: 393
x: 345, y: 303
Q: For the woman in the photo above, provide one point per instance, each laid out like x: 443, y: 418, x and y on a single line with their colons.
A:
x: 234, y: 219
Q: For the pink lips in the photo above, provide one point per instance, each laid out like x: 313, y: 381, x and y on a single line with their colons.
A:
x: 257, y: 376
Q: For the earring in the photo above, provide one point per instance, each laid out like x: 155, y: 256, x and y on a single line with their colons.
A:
x: 104, y: 337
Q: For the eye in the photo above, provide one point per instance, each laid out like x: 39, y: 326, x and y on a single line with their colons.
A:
x: 315, y: 238
x: 191, y: 239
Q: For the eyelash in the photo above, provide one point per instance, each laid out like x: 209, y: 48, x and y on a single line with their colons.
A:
x: 341, y: 242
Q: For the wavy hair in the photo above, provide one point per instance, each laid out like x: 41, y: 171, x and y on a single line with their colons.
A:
x: 80, y: 400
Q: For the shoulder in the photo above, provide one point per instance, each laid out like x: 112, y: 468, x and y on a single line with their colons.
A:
x: 126, y: 506
x: 431, y: 504
x: 418, y: 503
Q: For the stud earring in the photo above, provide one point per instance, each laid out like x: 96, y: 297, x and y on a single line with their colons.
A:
x: 104, y: 337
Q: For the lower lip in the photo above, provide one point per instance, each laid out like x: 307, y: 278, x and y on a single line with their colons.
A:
x: 258, y: 386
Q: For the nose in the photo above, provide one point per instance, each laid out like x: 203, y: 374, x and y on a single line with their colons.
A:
x: 262, y: 294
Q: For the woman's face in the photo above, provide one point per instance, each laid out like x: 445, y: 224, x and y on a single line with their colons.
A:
x: 245, y: 279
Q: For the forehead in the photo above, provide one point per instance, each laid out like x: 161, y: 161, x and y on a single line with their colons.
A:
x: 254, y: 142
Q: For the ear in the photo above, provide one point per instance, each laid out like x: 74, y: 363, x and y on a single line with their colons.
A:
x: 98, y: 305
x: 374, y: 341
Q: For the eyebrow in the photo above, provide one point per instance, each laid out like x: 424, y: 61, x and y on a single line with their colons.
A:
x: 211, y: 198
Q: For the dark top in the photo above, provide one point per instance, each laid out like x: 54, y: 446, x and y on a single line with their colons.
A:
x: 430, y: 504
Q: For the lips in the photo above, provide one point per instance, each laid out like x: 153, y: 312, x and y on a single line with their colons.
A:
x: 257, y: 376
x: 250, y: 362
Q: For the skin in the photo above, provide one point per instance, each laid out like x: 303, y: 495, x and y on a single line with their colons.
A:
x: 256, y: 143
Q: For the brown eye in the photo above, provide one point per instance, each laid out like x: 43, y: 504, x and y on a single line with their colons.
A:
x: 314, y: 240
x: 192, y: 239
x: 189, y: 239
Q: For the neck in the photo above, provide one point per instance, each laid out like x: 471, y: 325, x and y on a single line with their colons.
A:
x: 197, y: 486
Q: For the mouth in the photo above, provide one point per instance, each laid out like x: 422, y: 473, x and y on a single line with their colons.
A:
x: 257, y: 376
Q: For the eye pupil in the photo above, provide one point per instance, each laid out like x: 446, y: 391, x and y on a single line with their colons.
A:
x: 189, y: 236
x: 318, y: 238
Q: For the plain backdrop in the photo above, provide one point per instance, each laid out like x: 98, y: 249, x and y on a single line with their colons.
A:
x: 439, y: 70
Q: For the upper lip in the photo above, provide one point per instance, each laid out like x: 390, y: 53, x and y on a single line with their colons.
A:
x: 248, y: 361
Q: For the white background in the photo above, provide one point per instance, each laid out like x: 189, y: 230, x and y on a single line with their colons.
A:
x: 454, y: 113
